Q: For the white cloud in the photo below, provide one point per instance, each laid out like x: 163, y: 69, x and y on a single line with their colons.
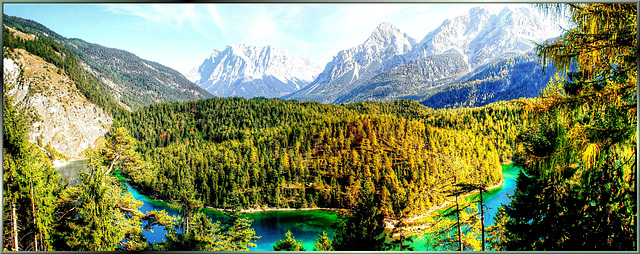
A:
x: 171, y: 15
x: 318, y: 31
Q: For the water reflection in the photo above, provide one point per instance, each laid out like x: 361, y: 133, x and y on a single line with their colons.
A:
x: 69, y: 173
x: 305, y: 225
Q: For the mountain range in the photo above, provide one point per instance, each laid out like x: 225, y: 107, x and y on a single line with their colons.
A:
x: 251, y: 71
x: 470, y: 60
x: 134, y: 82
x: 389, y: 65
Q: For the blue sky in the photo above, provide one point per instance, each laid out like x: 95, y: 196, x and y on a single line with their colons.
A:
x: 181, y: 36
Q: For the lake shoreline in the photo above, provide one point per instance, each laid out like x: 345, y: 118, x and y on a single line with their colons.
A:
x: 152, y: 197
x: 272, y: 209
x: 62, y: 163
x: 390, y: 224
x: 269, y: 209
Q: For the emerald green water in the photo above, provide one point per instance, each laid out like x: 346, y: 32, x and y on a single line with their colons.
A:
x: 306, y: 225
x: 492, y: 199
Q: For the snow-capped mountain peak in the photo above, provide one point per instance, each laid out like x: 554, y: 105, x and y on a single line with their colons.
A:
x: 381, y: 51
x: 482, y: 35
x: 250, y: 71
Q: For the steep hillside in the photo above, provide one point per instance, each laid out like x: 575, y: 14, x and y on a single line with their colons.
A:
x: 351, y: 68
x: 133, y: 81
x: 62, y: 119
x: 390, y: 65
x: 482, y: 35
x: 252, y: 71
x: 505, y: 79
x: 410, y: 80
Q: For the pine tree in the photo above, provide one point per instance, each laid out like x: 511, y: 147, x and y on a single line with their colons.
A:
x: 323, y: 243
x: 361, y: 228
x: 237, y: 229
x: 579, y: 156
x: 30, y: 186
x: 288, y: 243
x: 99, y: 215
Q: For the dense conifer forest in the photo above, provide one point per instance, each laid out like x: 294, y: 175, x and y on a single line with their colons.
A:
x: 275, y: 153
x: 374, y: 161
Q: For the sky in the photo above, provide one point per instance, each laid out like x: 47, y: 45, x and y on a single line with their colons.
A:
x: 182, y: 36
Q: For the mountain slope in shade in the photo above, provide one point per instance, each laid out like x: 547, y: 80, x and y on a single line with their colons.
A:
x: 350, y: 68
x: 507, y: 78
x: 481, y: 35
x: 411, y: 79
x: 252, y: 71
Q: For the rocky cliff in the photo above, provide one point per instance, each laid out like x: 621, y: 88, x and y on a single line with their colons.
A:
x: 60, y: 116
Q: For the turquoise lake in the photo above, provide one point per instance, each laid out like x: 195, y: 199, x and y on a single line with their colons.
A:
x: 305, y: 225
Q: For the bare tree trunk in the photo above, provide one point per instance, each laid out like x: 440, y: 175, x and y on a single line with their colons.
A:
x: 459, y: 229
x: 113, y: 162
x: 15, y: 226
x: 482, y: 216
x: 455, y: 179
x: 33, y: 215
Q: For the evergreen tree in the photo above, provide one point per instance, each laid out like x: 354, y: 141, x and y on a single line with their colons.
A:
x: 204, y: 235
x: 120, y: 151
x: 99, y: 215
x: 579, y: 156
x: 323, y: 243
x: 30, y: 187
x: 237, y: 229
x: 362, y: 227
x: 288, y: 243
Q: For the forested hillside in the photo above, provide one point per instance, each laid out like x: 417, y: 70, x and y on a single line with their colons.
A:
x: 53, y: 52
x: 377, y: 163
x: 133, y: 82
x: 276, y: 153
x: 508, y: 78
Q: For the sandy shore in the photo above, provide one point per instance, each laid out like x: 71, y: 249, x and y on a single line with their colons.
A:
x: 390, y: 224
x: 266, y: 209
x: 62, y: 163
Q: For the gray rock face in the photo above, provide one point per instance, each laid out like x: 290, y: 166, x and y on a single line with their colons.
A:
x: 482, y: 35
x: 252, y: 71
x: 376, y: 69
x: 351, y: 68
x: 61, y: 116
x: 411, y: 80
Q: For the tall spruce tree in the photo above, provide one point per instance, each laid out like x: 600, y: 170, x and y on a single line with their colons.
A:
x: 362, y: 227
x: 98, y: 214
x: 323, y: 243
x: 288, y: 243
x: 578, y: 189
x: 30, y: 186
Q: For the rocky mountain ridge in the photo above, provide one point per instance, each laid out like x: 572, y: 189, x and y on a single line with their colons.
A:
x: 253, y: 71
x: 481, y: 36
x: 349, y: 69
x: 60, y: 116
